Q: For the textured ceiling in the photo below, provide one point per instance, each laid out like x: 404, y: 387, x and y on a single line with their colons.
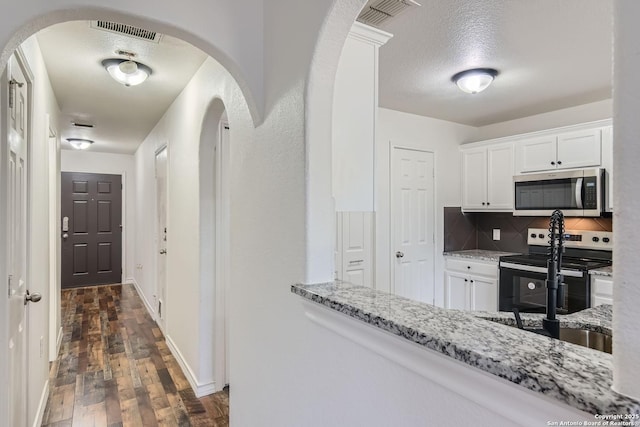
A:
x: 550, y: 54
x: 122, y: 116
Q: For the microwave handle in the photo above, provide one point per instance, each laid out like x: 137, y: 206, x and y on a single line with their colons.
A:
x: 579, y: 183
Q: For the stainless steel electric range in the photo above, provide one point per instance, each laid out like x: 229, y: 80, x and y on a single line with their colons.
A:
x: 522, y: 277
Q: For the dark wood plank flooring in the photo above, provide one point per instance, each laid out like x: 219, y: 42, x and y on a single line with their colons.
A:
x: 114, y: 368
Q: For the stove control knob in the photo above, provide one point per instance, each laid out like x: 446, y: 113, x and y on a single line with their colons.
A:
x: 541, y: 236
x: 606, y: 239
x: 595, y: 239
x: 533, y: 235
x: 531, y: 285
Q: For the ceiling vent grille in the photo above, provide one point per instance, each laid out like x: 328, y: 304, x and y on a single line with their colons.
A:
x: 128, y: 30
x: 377, y: 12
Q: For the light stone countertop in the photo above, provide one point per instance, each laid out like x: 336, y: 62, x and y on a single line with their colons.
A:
x: 478, y: 254
x: 577, y: 376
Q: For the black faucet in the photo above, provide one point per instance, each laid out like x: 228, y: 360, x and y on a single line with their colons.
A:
x: 555, y: 287
x: 554, y: 283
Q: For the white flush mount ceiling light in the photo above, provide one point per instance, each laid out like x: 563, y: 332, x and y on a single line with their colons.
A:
x: 80, y: 143
x: 475, y: 80
x: 127, y: 71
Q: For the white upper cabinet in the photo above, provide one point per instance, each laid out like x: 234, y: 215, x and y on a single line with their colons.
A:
x: 355, y: 107
x: 487, y: 178
x: 560, y: 151
x: 474, y: 181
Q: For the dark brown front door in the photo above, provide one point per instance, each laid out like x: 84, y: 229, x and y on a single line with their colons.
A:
x: 91, y: 229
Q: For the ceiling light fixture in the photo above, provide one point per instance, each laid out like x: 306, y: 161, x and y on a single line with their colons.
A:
x: 127, y: 71
x: 80, y: 143
x: 475, y: 80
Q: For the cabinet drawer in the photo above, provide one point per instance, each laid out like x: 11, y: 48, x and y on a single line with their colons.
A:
x: 601, y: 287
x: 472, y: 267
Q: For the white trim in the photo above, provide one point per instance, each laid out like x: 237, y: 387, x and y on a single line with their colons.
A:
x: 544, y: 132
x: 506, y: 399
x: 59, y: 342
x: 369, y: 34
x: 42, y: 405
x: 199, y: 389
x: 143, y: 297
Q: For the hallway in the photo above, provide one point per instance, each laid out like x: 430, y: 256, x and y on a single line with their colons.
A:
x: 114, y: 368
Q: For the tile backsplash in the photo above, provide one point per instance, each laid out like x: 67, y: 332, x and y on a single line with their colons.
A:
x: 475, y: 230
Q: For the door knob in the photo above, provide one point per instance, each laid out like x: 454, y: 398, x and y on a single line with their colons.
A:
x: 399, y: 254
x: 65, y: 235
x: 34, y: 297
x: 163, y: 251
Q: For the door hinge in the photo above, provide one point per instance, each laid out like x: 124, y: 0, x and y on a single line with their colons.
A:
x: 9, y: 285
x: 12, y: 91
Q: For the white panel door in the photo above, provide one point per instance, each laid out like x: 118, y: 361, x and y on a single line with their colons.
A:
x: 357, y: 248
x: 161, y: 204
x: 474, y: 178
x: 537, y: 154
x: 579, y: 149
x: 412, y: 217
x: 17, y: 247
x: 500, y: 177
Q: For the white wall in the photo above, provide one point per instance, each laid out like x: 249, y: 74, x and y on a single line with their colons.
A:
x: 189, y: 305
x: 44, y: 111
x: 568, y: 116
x: 443, y: 139
x: 115, y: 164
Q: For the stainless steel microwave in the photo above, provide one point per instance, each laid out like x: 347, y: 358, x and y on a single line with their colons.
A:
x: 577, y: 192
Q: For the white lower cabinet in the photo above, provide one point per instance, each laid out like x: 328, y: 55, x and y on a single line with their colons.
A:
x: 601, y: 290
x: 471, y: 285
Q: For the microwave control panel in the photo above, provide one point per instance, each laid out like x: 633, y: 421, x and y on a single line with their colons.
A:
x: 590, y: 193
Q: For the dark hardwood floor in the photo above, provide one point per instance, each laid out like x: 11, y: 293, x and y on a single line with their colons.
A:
x: 114, y: 368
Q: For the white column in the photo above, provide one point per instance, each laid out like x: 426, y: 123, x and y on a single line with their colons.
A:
x: 626, y: 164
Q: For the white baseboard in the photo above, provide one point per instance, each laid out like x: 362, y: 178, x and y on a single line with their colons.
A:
x: 198, y: 388
x: 143, y: 297
x: 59, y: 341
x: 42, y: 405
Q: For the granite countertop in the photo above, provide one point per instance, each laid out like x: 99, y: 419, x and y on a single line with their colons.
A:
x: 479, y: 254
x: 604, y: 271
x: 578, y: 376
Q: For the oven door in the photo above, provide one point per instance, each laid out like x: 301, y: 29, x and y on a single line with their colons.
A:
x: 524, y: 287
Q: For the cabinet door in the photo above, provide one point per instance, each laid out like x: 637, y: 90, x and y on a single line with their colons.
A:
x: 456, y: 291
x: 500, y: 177
x: 484, y: 294
x: 474, y: 179
x: 601, y: 291
x: 536, y: 154
x: 579, y: 149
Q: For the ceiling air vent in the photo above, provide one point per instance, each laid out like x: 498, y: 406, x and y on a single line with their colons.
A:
x: 377, y: 12
x: 128, y: 30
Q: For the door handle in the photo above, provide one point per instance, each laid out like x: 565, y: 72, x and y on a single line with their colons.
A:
x: 399, y: 254
x: 34, y: 297
x: 163, y: 251
x: 65, y: 236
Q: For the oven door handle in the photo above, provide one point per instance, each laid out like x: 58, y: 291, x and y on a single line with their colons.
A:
x: 579, y: 184
x: 535, y: 269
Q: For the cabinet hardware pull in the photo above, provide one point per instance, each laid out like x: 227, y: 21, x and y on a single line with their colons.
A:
x: 553, y: 163
x: 559, y: 162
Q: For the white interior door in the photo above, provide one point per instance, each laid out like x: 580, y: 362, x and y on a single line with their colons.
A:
x: 161, y: 194
x: 17, y: 246
x: 412, y: 217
